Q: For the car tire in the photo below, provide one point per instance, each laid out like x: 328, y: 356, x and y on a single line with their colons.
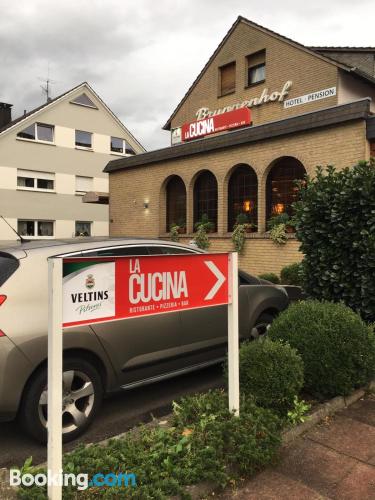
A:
x: 261, y: 326
x: 82, y: 397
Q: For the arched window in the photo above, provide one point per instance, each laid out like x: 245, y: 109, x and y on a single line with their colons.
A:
x: 242, y: 196
x: 205, y: 198
x: 281, y: 188
x: 176, y: 203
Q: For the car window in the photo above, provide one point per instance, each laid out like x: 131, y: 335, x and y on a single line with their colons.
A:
x: 8, y: 265
x: 169, y: 250
x: 117, y: 251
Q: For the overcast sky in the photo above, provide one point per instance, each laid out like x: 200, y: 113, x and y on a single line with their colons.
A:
x: 141, y: 56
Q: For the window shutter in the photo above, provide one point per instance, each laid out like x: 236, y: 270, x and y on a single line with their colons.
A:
x: 228, y: 78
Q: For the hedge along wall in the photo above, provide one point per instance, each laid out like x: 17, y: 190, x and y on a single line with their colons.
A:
x: 260, y: 254
x: 336, y: 227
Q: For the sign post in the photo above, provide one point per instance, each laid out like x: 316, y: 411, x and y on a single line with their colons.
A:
x: 55, y: 375
x: 89, y: 290
x: 233, y: 340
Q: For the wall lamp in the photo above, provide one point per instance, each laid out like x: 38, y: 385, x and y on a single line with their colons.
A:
x: 145, y: 205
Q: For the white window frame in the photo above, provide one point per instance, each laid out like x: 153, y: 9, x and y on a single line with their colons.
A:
x: 36, y: 134
x: 36, y: 221
x: 123, y: 146
x: 83, y: 148
x: 82, y: 222
x: 33, y: 174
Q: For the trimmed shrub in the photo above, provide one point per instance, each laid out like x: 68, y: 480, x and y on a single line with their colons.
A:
x: 292, y: 274
x: 272, y: 373
x: 335, y: 222
x: 272, y: 277
x: 337, y: 347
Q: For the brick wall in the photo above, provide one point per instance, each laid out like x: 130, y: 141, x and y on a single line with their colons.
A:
x: 342, y: 146
x: 284, y: 62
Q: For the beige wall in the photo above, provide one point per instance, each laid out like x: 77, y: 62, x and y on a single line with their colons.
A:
x: 352, y: 89
x: 284, y: 62
x: 342, y: 146
x: 65, y: 161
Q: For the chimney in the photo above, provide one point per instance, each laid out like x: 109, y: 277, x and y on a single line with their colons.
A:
x: 5, y: 114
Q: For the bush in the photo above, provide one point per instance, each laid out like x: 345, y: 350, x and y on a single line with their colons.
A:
x: 272, y: 277
x: 337, y: 347
x: 206, y: 443
x: 336, y: 226
x: 271, y: 372
x: 292, y: 274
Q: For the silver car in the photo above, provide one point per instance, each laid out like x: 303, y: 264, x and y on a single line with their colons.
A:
x: 106, y: 357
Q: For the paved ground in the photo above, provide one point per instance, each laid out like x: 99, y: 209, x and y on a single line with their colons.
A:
x: 119, y: 413
x: 335, y: 460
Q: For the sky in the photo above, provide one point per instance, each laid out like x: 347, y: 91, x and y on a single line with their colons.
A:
x: 141, y: 56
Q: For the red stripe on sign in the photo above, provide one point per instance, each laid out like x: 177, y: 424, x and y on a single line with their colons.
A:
x: 218, y: 123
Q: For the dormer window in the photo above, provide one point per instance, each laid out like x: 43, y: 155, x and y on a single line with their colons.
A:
x: 38, y: 132
x: 256, y: 68
x: 119, y: 146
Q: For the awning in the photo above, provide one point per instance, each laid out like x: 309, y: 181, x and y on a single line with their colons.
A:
x: 96, y: 197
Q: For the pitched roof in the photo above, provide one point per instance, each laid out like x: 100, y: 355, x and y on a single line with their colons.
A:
x: 84, y: 85
x: 343, y: 49
x: 312, y: 50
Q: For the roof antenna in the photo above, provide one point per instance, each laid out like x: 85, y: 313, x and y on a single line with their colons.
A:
x: 12, y: 228
x: 47, y: 87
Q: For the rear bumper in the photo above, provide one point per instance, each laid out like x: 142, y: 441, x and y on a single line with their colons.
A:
x: 14, y: 372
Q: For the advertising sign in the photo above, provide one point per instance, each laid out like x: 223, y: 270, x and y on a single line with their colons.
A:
x: 307, y: 98
x: 218, y: 123
x: 112, y: 288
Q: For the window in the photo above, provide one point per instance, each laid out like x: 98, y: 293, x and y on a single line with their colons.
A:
x: 117, y: 252
x: 28, y: 179
x: 38, y: 132
x: 83, y: 139
x: 84, y: 184
x: 227, y: 75
x: 205, y: 198
x: 281, y: 190
x: 117, y: 145
x: 83, y: 228
x: 84, y: 100
x: 256, y: 68
x: 35, y: 228
x: 242, y: 195
x: 176, y: 203
x: 129, y: 150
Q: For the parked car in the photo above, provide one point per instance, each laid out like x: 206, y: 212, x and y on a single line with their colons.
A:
x: 106, y: 357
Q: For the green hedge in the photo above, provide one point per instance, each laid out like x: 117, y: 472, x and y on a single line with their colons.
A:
x: 205, y: 443
x: 272, y: 373
x: 336, y: 228
x: 272, y: 277
x: 337, y: 347
x: 292, y: 274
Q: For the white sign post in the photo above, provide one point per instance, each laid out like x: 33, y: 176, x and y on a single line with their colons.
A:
x: 55, y: 375
x: 233, y: 340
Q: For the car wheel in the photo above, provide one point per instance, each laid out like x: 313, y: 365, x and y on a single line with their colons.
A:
x: 261, y: 326
x: 82, y: 397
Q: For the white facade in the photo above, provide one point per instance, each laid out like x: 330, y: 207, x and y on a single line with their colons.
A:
x: 51, y: 158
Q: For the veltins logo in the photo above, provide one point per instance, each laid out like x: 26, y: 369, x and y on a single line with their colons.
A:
x: 90, y: 281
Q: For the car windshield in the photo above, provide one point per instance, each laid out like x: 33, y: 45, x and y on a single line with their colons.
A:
x: 8, y: 265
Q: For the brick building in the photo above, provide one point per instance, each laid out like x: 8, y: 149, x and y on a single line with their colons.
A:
x: 309, y: 106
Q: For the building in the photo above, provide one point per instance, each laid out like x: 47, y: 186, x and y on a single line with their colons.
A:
x: 308, y: 107
x: 51, y: 157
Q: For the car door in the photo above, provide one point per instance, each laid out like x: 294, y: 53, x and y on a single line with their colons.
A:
x: 204, y: 332
x: 139, y: 348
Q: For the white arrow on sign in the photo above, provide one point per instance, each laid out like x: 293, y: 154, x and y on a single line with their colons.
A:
x: 220, y: 279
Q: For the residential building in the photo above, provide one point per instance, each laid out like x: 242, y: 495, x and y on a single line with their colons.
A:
x: 52, y: 158
x: 264, y: 111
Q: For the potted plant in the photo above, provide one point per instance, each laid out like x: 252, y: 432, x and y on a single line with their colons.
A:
x: 174, y: 232
x: 278, y: 219
x: 243, y: 219
x: 205, y: 223
x: 181, y: 223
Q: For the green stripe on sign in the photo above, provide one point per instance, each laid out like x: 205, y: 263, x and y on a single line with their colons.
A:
x: 71, y: 267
